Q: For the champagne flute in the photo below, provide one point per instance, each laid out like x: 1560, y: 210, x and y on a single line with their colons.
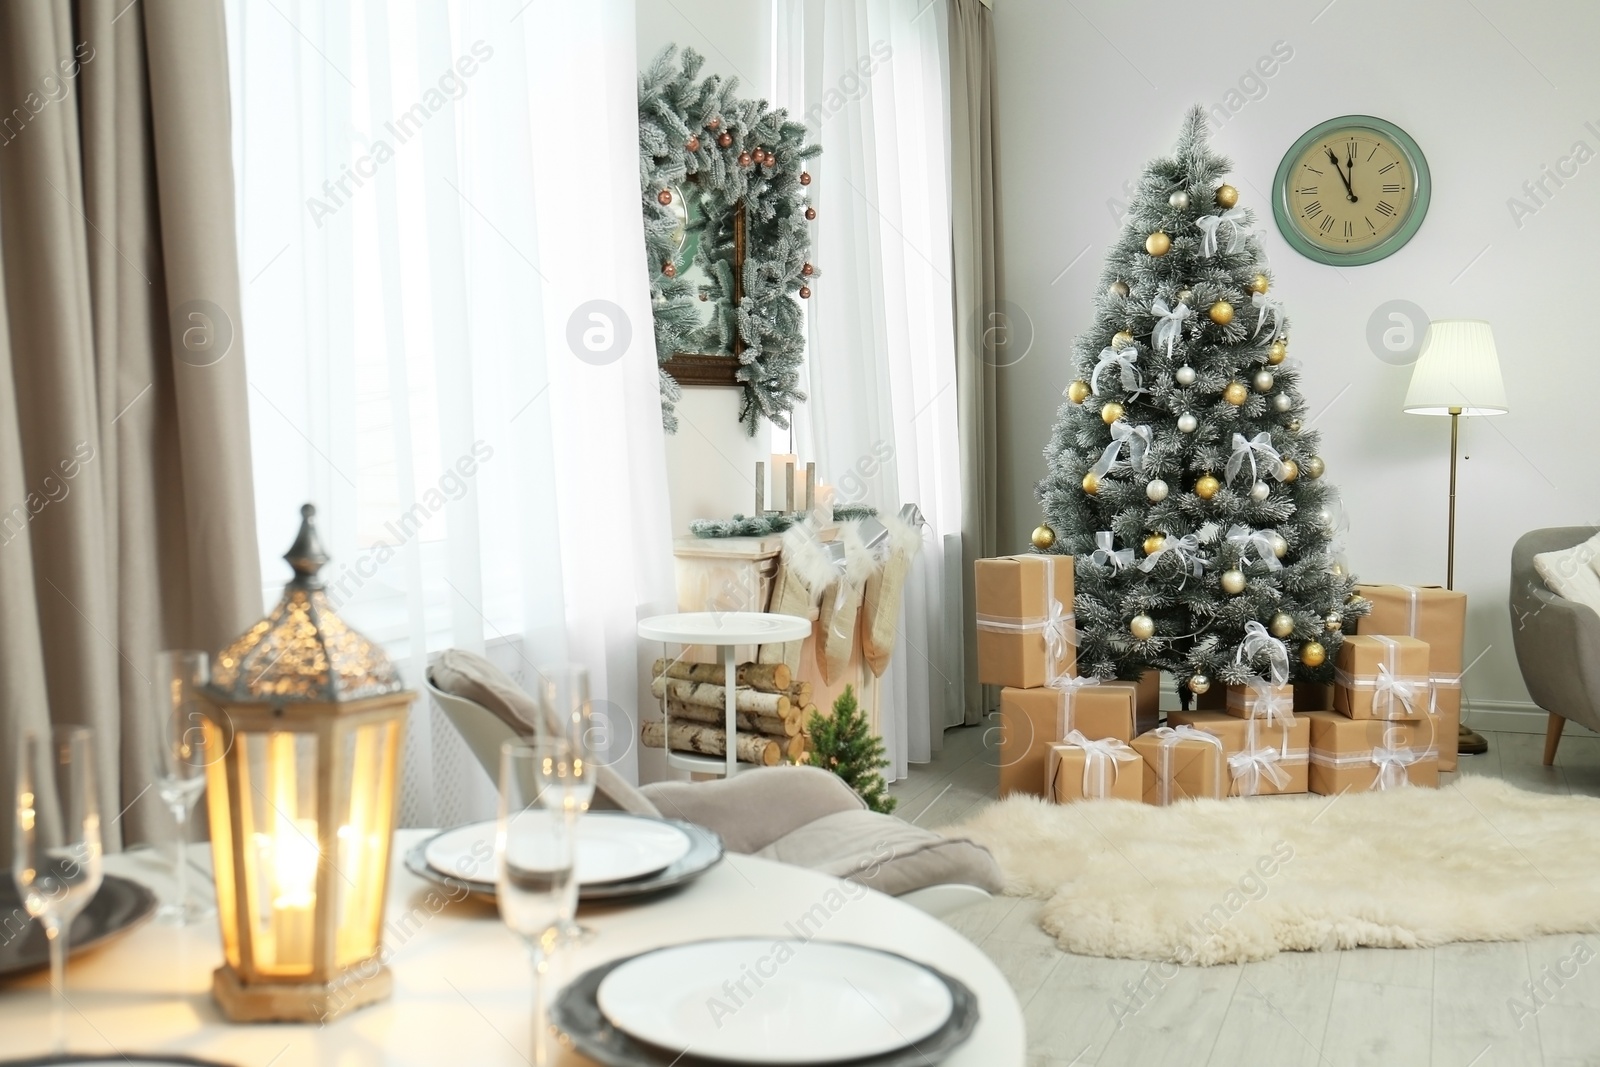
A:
x: 569, y: 776
x: 535, y: 860
x: 181, y: 765
x: 56, y: 849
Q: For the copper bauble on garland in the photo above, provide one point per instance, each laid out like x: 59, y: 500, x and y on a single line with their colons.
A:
x: 693, y: 144
x: 811, y: 213
x: 725, y: 139
x: 669, y: 269
x: 664, y: 197
x: 805, y: 292
x: 805, y: 178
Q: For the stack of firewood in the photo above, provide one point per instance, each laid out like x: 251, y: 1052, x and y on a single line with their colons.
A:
x: 772, y: 711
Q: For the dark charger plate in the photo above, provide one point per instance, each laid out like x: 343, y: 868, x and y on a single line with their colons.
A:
x: 576, y: 1013
x: 705, y: 852
x: 119, y: 906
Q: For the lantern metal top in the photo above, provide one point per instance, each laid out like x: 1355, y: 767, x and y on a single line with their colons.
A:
x: 302, y: 652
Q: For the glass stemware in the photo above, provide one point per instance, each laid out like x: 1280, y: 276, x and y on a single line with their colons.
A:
x: 181, y: 765
x: 569, y: 777
x: 56, y: 849
x: 535, y: 863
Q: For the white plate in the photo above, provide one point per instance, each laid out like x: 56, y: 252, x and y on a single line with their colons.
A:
x: 611, y: 848
x: 765, y: 1001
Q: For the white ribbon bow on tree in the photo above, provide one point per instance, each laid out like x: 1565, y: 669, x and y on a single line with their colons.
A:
x: 1126, y: 361
x: 1137, y: 438
x: 1100, y: 759
x: 1266, y: 308
x: 1208, y: 225
x: 1245, y: 539
x: 1256, y: 641
x: 1259, y: 445
x: 1169, y: 330
x: 1106, y: 556
x: 1187, y: 550
x: 1250, y: 766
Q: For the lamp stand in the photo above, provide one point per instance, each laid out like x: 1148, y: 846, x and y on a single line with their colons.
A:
x: 1450, y: 551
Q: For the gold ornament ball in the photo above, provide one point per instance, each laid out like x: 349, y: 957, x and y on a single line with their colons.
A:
x: 1314, y: 467
x: 1312, y: 654
x: 1259, y: 283
x: 1334, y: 622
x: 1206, y: 487
x: 1282, y: 624
x: 1280, y: 547
x: 1142, y: 627
x: 1078, y: 392
x: 1153, y: 543
x: 1118, y: 288
x: 1111, y: 413
x: 1221, y: 313
x: 1291, y: 470
x: 1236, y: 394
x: 1227, y: 195
x: 1233, y: 582
x: 1294, y: 427
x: 1277, y: 352
x: 1199, y: 684
x: 1353, y: 598
x: 1263, y: 381
x: 1091, y: 484
x: 1121, y: 339
x: 1158, y: 244
x: 1043, y: 536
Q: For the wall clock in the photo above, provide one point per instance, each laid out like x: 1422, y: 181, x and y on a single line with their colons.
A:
x: 1352, y: 190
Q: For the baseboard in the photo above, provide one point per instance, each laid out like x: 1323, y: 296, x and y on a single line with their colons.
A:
x: 1514, y: 717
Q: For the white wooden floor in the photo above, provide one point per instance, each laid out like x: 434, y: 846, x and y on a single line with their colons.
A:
x: 1444, y: 1007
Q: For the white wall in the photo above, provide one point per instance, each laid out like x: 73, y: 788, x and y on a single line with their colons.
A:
x: 710, y: 461
x: 1491, y: 91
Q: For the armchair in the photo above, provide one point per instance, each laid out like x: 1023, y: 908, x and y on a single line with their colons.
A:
x: 1557, y: 640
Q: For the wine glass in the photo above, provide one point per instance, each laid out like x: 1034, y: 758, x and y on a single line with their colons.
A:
x: 569, y: 775
x: 181, y: 765
x: 56, y: 849
x: 534, y: 863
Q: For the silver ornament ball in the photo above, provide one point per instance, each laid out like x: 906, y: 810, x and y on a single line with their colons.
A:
x: 1294, y: 427
x: 1280, y: 547
x: 1187, y: 423
x: 1178, y: 201
x: 1334, y: 621
x: 1260, y: 491
x: 1186, y: 296
x: 1118, y: 289
x: 1199, y: 684
x: 1281, y: 402
x: 1156, y: 490
x: 1264, y: 380
x: 1185, y: 375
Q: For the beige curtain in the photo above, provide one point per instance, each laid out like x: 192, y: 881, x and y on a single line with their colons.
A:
x: 982, y: 325
x: 126, y: 518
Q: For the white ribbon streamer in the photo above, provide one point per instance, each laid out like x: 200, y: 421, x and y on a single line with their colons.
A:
x: 1170, y: 737
x: 1100, y: 759
x: 1388, y: 686
x: 1250, y: 766
x: 1272, y: 704
x: 1169, y: 330
x: 1259, y: 445
x: 1256, y: 641
x: 1066, y: 687
x: 1266, y: 308
x: 1392, y: 764
x: 1137, y: 438
x: 1128, y: 371
x: 1244, y: 539
x: 1108, y: 557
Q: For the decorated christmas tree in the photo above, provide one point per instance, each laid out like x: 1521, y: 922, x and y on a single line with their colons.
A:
x: 1181, y: 473
x: 846, y: 745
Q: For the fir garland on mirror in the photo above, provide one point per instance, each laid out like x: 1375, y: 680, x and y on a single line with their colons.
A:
x: 697, y: 139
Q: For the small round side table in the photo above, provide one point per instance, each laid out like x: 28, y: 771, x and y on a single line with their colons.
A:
x: 725, y: 630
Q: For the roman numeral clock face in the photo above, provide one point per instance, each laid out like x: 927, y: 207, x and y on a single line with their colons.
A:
x: 1349, y: 193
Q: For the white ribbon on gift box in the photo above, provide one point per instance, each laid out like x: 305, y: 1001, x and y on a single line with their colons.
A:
x: 1436, y: 682
x: 1392, y: 759
x: 1066, y: 687
x: 1265, y: 702
x: 1248, y: 767
x: 1388, y: 687
x: 1100, y: 759
x: 1170, y: 737
x: 1057, y: 624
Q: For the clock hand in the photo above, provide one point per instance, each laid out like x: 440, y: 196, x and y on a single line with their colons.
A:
x: 1350, y: 169
x: 1349, y: 193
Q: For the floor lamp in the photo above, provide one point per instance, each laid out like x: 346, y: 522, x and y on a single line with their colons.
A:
x: 1458, y: 373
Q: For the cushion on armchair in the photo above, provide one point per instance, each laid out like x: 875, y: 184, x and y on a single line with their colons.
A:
x: 885, y: 853
x: 1570, y: 574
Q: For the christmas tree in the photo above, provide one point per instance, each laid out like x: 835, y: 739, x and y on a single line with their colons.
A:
x: 1181, y: 474
x: 846, y: 745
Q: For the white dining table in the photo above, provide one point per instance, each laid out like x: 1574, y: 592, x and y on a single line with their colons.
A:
x: 462, y: 982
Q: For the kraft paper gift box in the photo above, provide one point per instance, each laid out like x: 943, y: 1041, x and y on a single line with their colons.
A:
x: 1261, y: 700
x: 1026, y: 631
x: 1382, y: 677
x: 1263, y: 759
x: 1081, y: 769
x: 1182, y: 762
x: 1444, y: 703
x: 1031, y: 720
x: 1438, y: 616
x: 1359, y: 754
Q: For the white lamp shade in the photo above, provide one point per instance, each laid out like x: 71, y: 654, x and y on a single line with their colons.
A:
x: 1458, y: 368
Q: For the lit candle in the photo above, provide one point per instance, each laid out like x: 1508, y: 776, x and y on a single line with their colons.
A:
x: 822, y: 511
x: 294, y: 889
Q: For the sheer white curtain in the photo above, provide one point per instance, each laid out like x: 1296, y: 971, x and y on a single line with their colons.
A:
x: 869, y: 75
x: 431, y: 198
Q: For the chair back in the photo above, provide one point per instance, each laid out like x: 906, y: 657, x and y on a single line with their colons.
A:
x: 482, y: 730
x: 1525, y: 581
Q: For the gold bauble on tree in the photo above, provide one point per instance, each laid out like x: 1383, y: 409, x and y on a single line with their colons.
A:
x: 1233, y: 582
x: 1206, y: 487
x: 1291, y: 471
x: 1227, y: 195
x: 1259, y: 283
x: 1312, y: 654
x: 1199, y: 684
x: 1091, y: 484
x: 1282, y: 624
x: 1236, y: 394
x: 1043, y: 536
x: 1221, y: 313
x: 1121, y: 339
x: 1142, y: 627
x: 1078, y: 392
x: 1277, y: 352
x: 1158, y: 244
x: 1153, y: 543
x: 1314, y: 467
x: 1111, y: 412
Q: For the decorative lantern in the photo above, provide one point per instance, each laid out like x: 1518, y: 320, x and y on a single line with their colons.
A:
x: 307, y: 716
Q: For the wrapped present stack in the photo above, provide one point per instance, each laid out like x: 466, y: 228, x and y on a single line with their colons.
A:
x: 1439, y: 617
x: 1062, y: 736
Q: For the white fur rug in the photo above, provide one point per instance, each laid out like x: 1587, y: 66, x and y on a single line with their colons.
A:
x: 1226, y: 881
